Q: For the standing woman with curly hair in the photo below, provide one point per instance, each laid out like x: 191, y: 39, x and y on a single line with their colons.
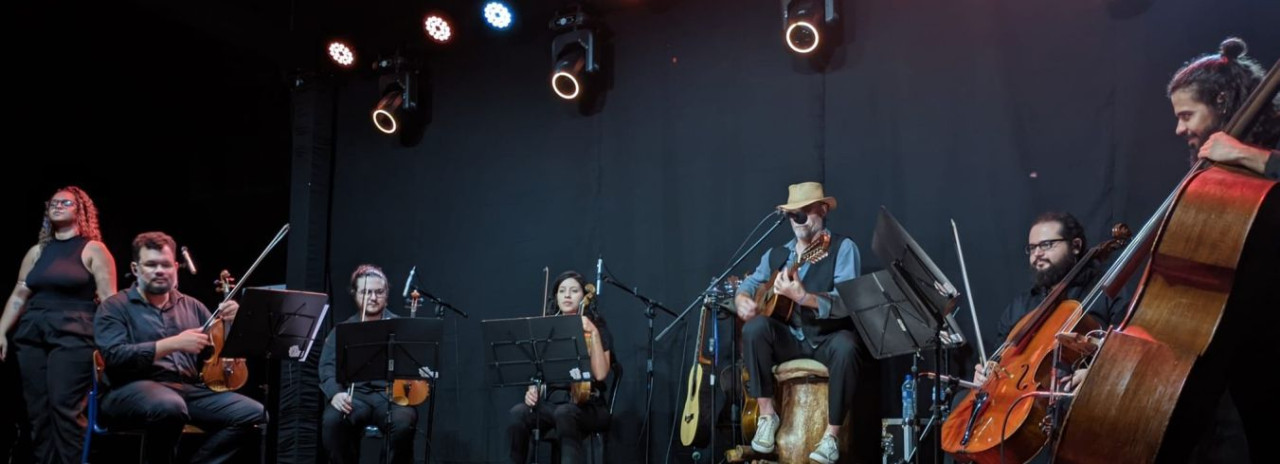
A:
x: 61, y: 280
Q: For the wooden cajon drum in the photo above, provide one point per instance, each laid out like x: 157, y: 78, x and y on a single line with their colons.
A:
x: 802, y: 402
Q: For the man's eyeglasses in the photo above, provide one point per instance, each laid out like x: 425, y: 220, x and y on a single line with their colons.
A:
x: 62, y: 203
x: 1042, y: 246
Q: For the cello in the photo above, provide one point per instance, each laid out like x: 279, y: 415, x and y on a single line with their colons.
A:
x: 991, y: 424
x: 1213, y: 252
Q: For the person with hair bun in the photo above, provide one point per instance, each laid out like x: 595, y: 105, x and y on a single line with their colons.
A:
x: 1207, y: 92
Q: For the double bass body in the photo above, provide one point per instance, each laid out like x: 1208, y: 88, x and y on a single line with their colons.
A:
x: 1204, y: 292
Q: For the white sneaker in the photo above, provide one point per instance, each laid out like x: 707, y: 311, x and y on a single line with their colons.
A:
x: 766, y: 433
x: 828, y: 450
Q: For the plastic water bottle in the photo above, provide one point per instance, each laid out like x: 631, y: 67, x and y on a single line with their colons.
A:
x: 908, y: 400
x: 908, y: 417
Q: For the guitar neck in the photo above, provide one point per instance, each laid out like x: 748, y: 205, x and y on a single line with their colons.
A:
x: 702, y: 332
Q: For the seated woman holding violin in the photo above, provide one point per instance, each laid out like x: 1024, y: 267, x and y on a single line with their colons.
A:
x: 574, y: 411
x: 151, y: 336
x: 353, y: 407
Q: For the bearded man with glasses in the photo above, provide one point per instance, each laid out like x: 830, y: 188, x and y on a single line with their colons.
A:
x: 1055, y: 244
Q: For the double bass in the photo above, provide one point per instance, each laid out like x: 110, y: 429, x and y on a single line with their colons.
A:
x: 1157, y: 379
x: 995, y: 423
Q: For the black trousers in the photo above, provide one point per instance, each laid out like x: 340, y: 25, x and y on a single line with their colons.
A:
x: 767, y: 342
x: 54, y: 349
x: 368, y: 408
x: 163, y: 408
x: 572, y: 423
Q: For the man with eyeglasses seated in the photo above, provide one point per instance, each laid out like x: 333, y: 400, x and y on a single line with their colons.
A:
x: 1054, y: 246
x: 151, y: 338
x: 350, y: 410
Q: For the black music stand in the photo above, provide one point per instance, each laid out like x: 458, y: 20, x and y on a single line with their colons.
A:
x: 887, y: 321
x: 905, y: 308
x: 390, y: 349
x: 536, y: 351
x: 276, y: 324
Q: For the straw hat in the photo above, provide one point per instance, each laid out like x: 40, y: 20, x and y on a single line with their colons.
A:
x: 805, y: 194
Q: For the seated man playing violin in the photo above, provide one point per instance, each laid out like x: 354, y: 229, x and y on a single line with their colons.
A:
x: 351, y: 408
x: 150, y: 336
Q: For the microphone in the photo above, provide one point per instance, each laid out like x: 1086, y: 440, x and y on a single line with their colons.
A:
x: 407, y: 282
x: 186, y: 257
x: 599, y: 266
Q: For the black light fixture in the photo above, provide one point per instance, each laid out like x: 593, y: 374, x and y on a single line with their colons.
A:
x: 810, y: 27
x: 574, y: 53
x: 400, y: 109
x: 392, y: 108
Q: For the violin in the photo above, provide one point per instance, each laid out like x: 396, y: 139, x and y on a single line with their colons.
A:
x: 581, y: 391
x: 410, y: 392
x: 222, y: 374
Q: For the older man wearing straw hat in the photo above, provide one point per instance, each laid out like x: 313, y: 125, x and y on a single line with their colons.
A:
x: 819, y: 327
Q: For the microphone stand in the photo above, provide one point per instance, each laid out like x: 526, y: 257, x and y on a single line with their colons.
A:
x: 782, y: 216
x: 650, y: 314
x: 431, y: 409
x: 716, y: 282
x: 441, y: 305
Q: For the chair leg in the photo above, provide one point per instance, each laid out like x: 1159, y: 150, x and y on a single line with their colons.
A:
x: 88, y: 439
x: 262, y: 445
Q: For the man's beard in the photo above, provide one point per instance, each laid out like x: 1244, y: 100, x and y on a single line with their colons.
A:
x: 1051, y: 275
x: 1194, y: 148
x: 153, y: 288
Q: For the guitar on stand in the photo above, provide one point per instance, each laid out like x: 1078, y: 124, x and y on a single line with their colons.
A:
x: 747, y: 410
x: 697, y: 416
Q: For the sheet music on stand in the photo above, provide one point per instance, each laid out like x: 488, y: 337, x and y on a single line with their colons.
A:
x: 907, y: 307
x: 276, y: 323
x: 532, y: 350
x: 389, y: 349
